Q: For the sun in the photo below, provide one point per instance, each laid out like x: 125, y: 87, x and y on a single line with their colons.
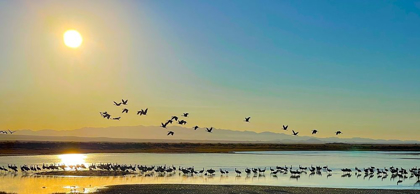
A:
x: 72, y: 38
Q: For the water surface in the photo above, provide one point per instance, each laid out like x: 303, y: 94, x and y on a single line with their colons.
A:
x: 30, y: 183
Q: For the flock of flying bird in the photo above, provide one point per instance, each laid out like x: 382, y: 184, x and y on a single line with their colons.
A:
x: 295, y: 172
x: 7, y: 132
x: 183, y: 122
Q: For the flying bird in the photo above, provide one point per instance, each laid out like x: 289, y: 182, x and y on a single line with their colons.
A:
x: 174, y: 118
x: 285, y: 127
x: 142, y: 112
x: 125, y: 111
x: 185, y: 114
x: 247, y: 119
x: 171, y: 133
x: 117, y: 104
x: 105, y: 115
x: 314, y: 131
x: 163, y: 125
x: 124, y: 102
x: 195, y: 127
x: 11, y: 132
x: 182, y: 122
x: 338, y: 133
x: 295, y: 133
x: 116, y: 118
x: 169, y: 121
x: 209, y: 130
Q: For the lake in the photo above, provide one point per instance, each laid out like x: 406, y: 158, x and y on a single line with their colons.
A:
x: 31, y: 183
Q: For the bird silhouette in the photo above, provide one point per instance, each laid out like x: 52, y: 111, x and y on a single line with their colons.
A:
x: 125, y: 110
x: 124, y: 102
x: 105, y: 114
x: 117, y: 104
x: 285, y: 127
x: 195, y: 127
x: 182, y: 122
x: 209, y: 130
x: 174, y: 118
x: 185, y: 114
x: 338, y: 133
x: 116, y: 118
x: 314, y: 131
x: 247, y: 119
x: 142, y: 112
x: 169, y: 121
x: 163, y: 125
x: 171, y: 133
x: 295, y: 133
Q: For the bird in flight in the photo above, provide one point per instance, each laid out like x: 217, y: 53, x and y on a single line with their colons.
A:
x: 163, y: 125
x: 174, y: 118
x: 169, y: 121
x: 142, y: 112
x: 105, y: 115
x: 185, y: 114
x: 338, y: 133
x: 116, y: 118
x: 171, y: 133
x: 117, y: 104
x: 124, y: 102
x: 195, y: 127
x: 125, y: 110
x: 295, y: 133
x: 209, y: 130
x: 4, y: 132
x: 11, y: 132
x: 285, y: 127
x: 314, y: 131
x: 182, y: 122
x: 247, y: 119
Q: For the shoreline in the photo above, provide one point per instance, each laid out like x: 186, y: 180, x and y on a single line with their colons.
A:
x: 221, y: 189
x: 45, y: 148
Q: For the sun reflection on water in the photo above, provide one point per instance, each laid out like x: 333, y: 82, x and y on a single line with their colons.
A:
x: 72, y: 159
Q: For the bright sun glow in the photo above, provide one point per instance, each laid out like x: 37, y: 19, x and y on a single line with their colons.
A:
x: 72, y: 38
x: 72, y: 159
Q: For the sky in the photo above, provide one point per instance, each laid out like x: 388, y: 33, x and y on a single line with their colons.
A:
x: 352, y: 66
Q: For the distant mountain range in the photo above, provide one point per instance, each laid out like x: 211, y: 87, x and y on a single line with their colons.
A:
x: 158, y: 134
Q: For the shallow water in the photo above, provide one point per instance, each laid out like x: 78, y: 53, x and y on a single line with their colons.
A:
x: 30, y: 183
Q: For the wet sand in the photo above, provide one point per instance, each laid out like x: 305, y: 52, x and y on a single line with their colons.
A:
x: 229, y: 189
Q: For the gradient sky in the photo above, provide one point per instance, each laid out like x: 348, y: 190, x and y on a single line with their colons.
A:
x: 328, y: 65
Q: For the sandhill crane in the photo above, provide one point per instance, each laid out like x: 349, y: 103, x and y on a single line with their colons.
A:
x: 125, y: 110
x: 247, y: 119
x: 124, y: 102
x: 163, y: 125
x: 185, y: 114
x: 238, y: 172
x: 117, y: 104
x: 209, y: 130
x: 338, y: 133
x: 295, y: 133
x: 195, y: 127
x: 182, y: 122
x: 142, y: 112
x: 314, y: 131
x: 171, y: 133
x: 11, y: 132
x: 116, y: 118
x: 174, y: 118
x: 285, y: 127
